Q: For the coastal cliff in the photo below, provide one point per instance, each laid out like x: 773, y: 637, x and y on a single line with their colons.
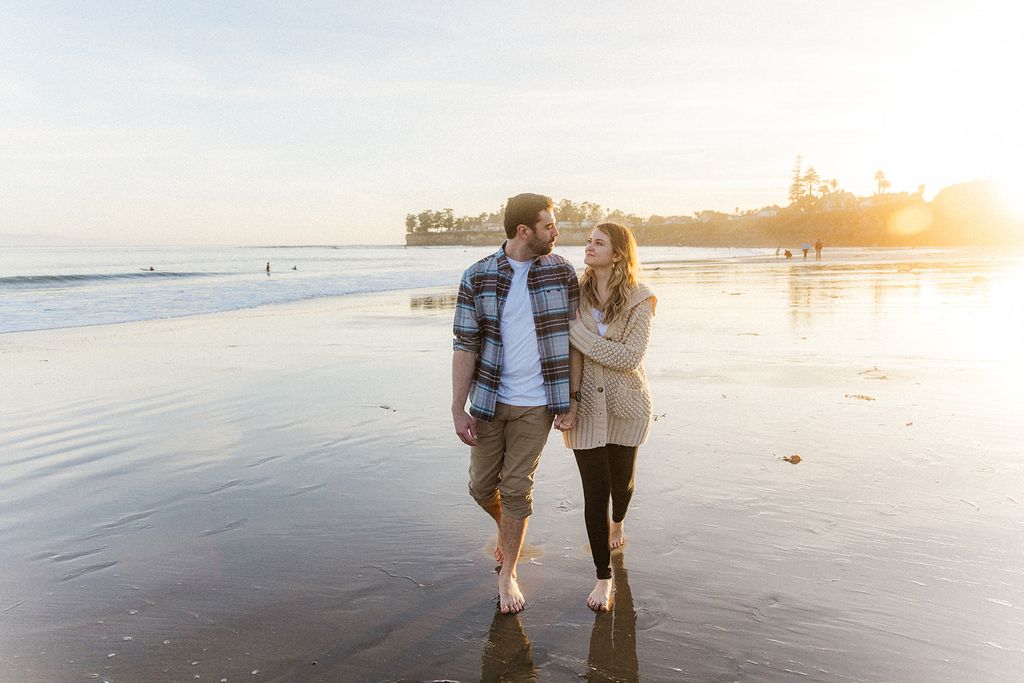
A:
x: 965, y: 214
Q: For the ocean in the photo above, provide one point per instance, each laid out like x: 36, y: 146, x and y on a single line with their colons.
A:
x: 56, y: 287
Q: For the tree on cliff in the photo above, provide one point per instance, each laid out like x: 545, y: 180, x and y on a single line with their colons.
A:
x: 796, y: 186
x: 427, y: 221
x: 881, y: 182
x: 811, y: 179
x: 592, y: 212
x: 630, y: 220
x: 568, y: 210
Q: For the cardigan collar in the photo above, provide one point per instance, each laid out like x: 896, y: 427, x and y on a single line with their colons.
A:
x: 639, y: 294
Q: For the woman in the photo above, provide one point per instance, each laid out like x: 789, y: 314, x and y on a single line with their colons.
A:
x: 610, y: 406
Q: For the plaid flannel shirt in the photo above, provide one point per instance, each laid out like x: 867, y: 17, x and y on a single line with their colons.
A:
x: 554, y: 297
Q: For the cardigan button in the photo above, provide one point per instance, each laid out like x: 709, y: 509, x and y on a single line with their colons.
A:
x: 600, y: 390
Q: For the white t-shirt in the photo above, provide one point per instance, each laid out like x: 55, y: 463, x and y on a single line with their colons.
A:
x: 599, y: 316
x: 521, y: 381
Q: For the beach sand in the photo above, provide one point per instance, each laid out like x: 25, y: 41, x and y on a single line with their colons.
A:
x: 277, y: 494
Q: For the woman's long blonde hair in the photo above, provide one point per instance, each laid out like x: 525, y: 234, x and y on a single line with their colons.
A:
x: 625, y: 274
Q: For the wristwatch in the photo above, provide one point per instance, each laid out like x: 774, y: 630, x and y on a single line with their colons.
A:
x: 577, y: 396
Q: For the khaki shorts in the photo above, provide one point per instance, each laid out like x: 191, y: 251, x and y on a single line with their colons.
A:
x: 505, y: 459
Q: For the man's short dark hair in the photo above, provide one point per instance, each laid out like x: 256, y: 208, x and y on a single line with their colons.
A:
x: 523, y: 209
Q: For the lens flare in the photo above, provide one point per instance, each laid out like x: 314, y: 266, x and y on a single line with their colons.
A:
x: 910, y: 221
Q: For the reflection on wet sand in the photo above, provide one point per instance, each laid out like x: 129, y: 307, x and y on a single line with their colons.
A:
x: 508, y: 655
x: 820, y: 286
x: 613, y: 640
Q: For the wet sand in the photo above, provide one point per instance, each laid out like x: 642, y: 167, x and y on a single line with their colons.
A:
x: 277, y: 494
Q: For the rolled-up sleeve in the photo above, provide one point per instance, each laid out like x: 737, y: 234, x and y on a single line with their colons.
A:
x: 466, y: 329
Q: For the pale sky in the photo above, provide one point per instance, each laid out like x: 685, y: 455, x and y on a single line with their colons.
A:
x: 325, y: 123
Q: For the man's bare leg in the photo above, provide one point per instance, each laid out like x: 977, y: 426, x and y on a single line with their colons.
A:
x: 511, y: 535
x: 494, y: 510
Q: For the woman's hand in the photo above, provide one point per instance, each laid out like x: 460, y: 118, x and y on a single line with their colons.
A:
x: 566, y: 421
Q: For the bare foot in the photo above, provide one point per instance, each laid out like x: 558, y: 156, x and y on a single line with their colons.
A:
x: 600, y: 599
x: 616, y: 535
x: 510, y: 597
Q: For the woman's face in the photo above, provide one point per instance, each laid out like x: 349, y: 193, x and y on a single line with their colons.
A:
x: 598, y: 252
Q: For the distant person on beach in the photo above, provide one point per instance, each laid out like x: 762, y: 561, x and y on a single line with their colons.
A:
x: 268, y: 267
x: 817, y: 250
x: 511, y: 361
x: 778, y: 250
x: 789, y: 254
x: 295, y: 267
x: 806, y: 246
x: 610, y: 413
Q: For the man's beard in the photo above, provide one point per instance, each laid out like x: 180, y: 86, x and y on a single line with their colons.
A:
x: 539, y: 247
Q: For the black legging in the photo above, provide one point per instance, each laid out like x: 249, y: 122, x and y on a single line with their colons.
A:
x: 606, y: 472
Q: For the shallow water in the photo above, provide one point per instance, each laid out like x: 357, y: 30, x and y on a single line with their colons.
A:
x: 44, y: 288
x: 278, y: 491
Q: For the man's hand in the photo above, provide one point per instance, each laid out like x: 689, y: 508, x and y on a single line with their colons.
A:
x: 566, y: 421
x: 465, y: 427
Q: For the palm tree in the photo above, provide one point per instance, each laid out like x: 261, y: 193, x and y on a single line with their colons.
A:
x: 881, y: 182
x: 811, y: 178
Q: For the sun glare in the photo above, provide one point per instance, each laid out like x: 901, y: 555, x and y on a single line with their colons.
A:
x: 1011, y: 191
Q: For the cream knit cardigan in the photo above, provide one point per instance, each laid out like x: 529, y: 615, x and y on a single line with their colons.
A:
x: 615, y: 406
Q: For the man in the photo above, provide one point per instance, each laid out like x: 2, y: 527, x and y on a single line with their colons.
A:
x: 511, y: 361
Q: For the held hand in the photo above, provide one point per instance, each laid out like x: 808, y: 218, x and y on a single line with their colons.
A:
x: 465, y: 427
x: 565, y: 422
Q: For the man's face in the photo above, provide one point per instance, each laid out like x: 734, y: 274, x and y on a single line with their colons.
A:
x: 543, y: 235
